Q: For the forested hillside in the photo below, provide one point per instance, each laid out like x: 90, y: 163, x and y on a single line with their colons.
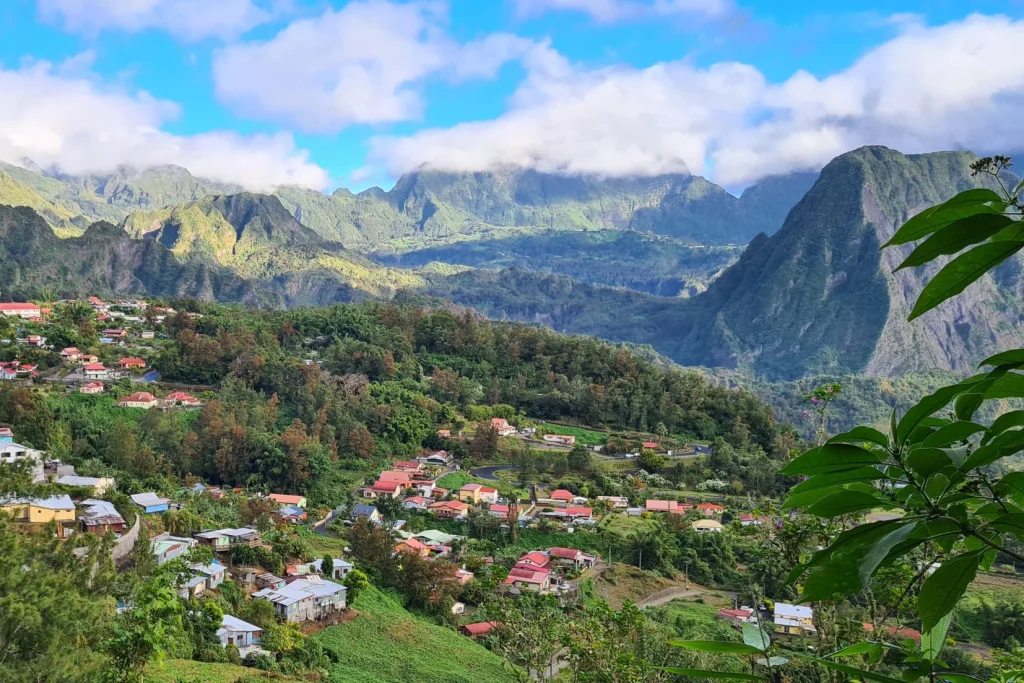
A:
x: 816, y: 297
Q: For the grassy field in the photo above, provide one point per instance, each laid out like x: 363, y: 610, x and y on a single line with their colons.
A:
x: 173, y: 670
x: 387, y: 644
x: 454, y: 481
x: 624, y: 525
x: 587, y: 437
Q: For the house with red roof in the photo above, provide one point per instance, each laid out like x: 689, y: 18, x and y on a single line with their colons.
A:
x: 478, y: 630
x: 404, y: 479
x: 91, y: 388
x: 650, y: 445
x: 411, y: 545
x: 463, y: 576
x: 410, y: 466
x: 415, y: 503
x: 747, y: 519
x: 383, y: 489
x: 96, y: 371
x: 444, y: 433
x: 20, y: 310
x: 499, y: 510
x: 288, y: 499
x: 528, y: 579
x: 578, y: 513
x: 140, y: 399
x: 710, y: 509
x: 669, y: 506
x: 71, y: 353
x: 115, y: 334
x: 131, y: 363
x: 424, y: 487
x: 450, y: 509
x: 739, y: 616
x: 501, y: 425
x: 571, y: 557
x: 179, y: 399
x: 535, y: 560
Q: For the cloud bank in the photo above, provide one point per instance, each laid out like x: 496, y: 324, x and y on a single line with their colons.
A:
x: 58, y: 117
x: 363, y: 64
x: 950, y: 86
x: 189, y: 20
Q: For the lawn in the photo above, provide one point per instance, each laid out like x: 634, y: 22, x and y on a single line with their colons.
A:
x: 624, y: 525
x: 386, y: 644
x: 174, y: 670
x: 587, y: 437
x: 454, y: 481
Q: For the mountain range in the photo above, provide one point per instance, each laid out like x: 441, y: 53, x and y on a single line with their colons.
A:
x: 653, y: 261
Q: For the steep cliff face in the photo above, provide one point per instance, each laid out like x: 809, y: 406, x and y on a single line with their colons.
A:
x: 816, y: 297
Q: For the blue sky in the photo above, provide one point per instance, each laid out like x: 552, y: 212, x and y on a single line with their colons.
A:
x: 328, y: 93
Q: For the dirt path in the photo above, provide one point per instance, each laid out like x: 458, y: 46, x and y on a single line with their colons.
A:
x: 668, y: 595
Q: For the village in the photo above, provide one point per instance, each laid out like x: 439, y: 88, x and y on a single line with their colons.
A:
x: 444, y: 504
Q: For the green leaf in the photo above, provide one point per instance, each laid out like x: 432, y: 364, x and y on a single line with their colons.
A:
x: 754, y: 636
x: 1012, y: 357
x: 834, y: 457
x: 926, y: 461
x: 1011, y: 385
x: 956, y: 236
x: 881, y: 550
x: 968, y: 203
x: 861, y: 435
x: 836, y: 478
x: 934, y: 402
x: 999, y: 447
x: 1012, y: 523
x: 862, y: 648
x: 702, y: 673
x: 805, y: 499
x: 1011, y: 486
x: 852, y: 671
x: 773, y: 661
x: 965, y: 405
x: 957, y: 678
x: 956, y: 275
x: 941, y: 591
x: 934, y: 639
x: 843, y: 503
x: 954, y: 432
x: 1014, y: 418
x: 716, y: 646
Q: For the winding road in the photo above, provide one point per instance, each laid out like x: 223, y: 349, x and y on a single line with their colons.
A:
x: 490, y: 472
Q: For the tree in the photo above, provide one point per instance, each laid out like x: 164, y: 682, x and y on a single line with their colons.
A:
x: 327, y: 565
x: 355, y: 582
x: 152, y: 626
x: 579, y: 459
x: 484, y: 445
x: 650, y: 461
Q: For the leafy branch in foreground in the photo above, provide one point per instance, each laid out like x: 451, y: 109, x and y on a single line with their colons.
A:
x: 936, y: 469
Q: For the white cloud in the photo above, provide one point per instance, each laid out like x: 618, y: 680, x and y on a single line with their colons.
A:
x: 929, y: 88
x: 607, y: 11
x: 365, y: 63
x: 186, y: 19
x: 71, y: 121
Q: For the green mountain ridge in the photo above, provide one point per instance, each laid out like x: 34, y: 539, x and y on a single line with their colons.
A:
x: 816, y: 297
x: 426, y: 208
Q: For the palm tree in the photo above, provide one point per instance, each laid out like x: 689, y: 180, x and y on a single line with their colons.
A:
x: 513, y: 516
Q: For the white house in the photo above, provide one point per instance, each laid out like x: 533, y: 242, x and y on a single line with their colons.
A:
x: 241, y: 634
x: 307, y: 599
x: 96, y: 371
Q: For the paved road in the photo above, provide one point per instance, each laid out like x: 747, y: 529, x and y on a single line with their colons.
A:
x: 489, y: 473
